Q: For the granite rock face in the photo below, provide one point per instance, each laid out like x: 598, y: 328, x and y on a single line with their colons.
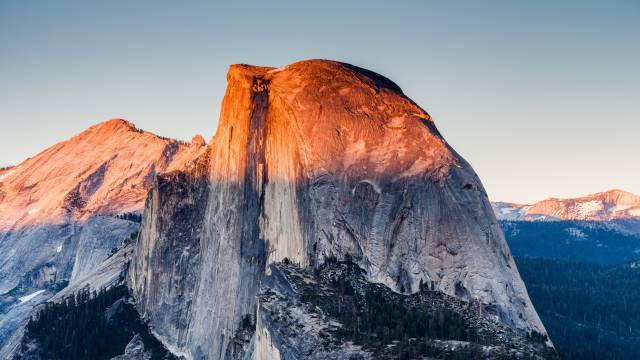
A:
x: 99, y: 238
x: 43, y: 260
x: 134, y: 351
x: 166, y: 263
x: 312, y: 161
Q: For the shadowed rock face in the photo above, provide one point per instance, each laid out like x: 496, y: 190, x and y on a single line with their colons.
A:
x: 166, y: 263
x: 315, y: 160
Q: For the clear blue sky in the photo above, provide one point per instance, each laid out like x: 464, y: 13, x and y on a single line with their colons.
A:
x: 542, y: 98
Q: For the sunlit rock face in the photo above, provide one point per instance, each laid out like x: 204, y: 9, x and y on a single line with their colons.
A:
x: 106, y: 169
x: 310, y: 161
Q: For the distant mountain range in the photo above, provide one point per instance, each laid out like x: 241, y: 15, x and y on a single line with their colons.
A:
x: 602, y: 228
x: 579, y: 260
x: 604, y: 206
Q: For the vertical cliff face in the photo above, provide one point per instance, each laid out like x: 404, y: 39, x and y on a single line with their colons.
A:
x: 166, y: 261
x: 312, y: 161
x: 233, y: 250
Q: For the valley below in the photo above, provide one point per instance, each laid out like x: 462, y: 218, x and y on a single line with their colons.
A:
x: 580, y: 265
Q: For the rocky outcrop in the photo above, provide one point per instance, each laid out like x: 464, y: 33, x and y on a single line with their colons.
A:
x: 100, y: 237
x: 198, y: 140
x: 134, y: 351
x: 107, y: 274
x: 171, y: 229
x: 312, y: 161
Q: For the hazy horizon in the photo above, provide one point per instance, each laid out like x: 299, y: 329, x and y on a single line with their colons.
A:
x: 542, y: 99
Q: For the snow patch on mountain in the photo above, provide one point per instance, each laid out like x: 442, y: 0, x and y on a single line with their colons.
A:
x: 30, y: 296
x: 5, y: 175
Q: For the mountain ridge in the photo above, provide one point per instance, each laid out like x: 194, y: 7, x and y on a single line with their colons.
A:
x: 59, y: 211
x: 614, y: 204
x: 105, y: 169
